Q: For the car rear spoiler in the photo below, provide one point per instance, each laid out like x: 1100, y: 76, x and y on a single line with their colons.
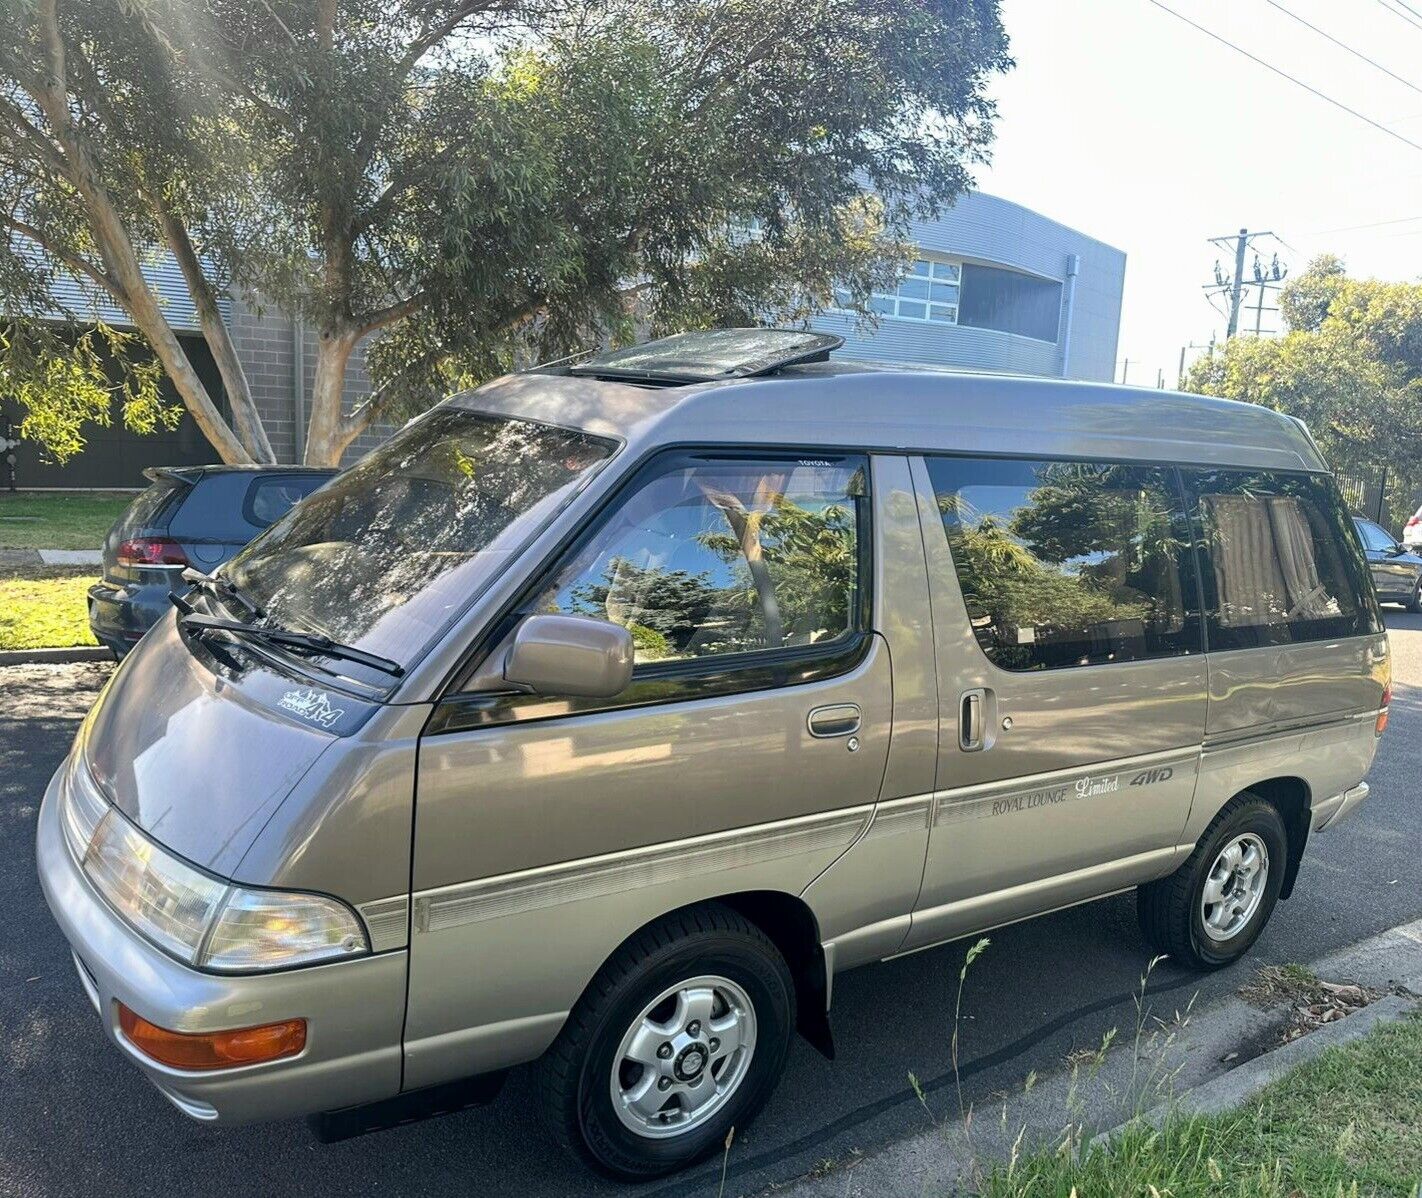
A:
x: 177, y: 474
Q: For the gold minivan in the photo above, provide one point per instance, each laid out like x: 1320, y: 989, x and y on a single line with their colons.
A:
x: 610, y: 710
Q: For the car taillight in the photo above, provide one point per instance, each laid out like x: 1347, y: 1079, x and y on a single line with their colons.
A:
x: 1414, y: 521
x: 1381, y: 725
x: 151, y: 551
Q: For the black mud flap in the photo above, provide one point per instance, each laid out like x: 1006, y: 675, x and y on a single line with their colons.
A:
x: 330, y: 1127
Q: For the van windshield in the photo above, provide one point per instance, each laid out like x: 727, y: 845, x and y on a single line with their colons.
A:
x: 385, y: 554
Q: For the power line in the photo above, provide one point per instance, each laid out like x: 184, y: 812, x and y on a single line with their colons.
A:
x: 1377, y: 224
x: 1404, y: 4
x: 1269, y: 66
x: 1343, y: 45
x: 1401, y: 15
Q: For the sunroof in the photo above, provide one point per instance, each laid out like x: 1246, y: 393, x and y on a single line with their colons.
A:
x: 713, y: 354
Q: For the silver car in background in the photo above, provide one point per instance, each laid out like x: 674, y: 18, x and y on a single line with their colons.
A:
x: 608, y: 712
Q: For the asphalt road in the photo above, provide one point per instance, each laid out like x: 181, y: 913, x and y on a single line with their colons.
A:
x: 74, y: 1117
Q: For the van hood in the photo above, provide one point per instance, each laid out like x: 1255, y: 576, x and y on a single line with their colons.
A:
x: 200, y: 761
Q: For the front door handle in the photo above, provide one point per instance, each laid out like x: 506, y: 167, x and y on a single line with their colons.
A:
x: 837, y: 719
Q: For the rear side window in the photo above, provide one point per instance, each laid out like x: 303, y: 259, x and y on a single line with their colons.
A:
x: 1069, y: 563
x: 150, y: 506
x: 269, y: 499
x: 1282, y: 563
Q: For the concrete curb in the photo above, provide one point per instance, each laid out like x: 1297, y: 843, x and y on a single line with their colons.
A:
x: 72, y: 557
x: 1241, y: 1083
x: 1187, y: 1059
x: 31, y: 657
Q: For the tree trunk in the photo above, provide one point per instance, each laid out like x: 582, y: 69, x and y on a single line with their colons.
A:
x: 328, y: 432
x: 116, y: 248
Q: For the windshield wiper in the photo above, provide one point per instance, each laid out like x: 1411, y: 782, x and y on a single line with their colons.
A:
x: 224, y: 589
x: 301, y: 642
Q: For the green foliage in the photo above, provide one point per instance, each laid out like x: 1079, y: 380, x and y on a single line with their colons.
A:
x: 1347, y: 1123
x: 58, y: 520
x: 45, y: 612
x: 482, y: 185
x: 1350, y: 366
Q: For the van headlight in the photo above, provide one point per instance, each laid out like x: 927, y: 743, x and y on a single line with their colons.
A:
x: 201, y: 920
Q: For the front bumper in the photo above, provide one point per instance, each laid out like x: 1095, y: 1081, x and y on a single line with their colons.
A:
x: 354, y: 1009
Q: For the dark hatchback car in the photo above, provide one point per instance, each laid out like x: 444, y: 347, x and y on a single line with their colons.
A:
x: 1396, y: 571
x: 197, y: 516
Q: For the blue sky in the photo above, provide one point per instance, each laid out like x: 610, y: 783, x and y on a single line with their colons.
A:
x: 1126, y: 123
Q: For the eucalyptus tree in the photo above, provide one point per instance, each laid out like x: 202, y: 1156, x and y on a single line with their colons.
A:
x: 457, y: 186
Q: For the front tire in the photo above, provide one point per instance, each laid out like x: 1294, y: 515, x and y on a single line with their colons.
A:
x: 680, y: 1037
x: 1210, y: 911
x: 1414, y: 604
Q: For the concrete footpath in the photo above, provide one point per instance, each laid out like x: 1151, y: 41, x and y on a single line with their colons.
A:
x: 1203, y: 1060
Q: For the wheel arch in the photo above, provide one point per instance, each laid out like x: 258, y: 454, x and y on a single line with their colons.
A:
x: 792, y: 927
x: 1291, y: 797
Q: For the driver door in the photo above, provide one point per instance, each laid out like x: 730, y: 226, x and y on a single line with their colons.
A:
x: 745, y: 755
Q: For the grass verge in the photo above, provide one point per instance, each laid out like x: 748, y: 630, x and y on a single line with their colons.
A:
x: 58, y: 520
x: 1347, y: 1123
x: 45, y: 609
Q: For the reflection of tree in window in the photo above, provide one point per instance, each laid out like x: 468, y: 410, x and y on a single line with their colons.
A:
x: 724, y: 559
x: 1064, y: 563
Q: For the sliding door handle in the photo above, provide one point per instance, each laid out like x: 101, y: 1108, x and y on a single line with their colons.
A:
x: 972, y: 712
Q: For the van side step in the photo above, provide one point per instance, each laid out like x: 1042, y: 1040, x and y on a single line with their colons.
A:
x: 331, y: 1127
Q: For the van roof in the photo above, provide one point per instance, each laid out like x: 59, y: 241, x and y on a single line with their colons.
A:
x: 857, y: 405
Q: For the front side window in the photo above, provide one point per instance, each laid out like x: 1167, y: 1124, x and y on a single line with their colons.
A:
x: 1283, y: 565
x: 1069, y: 563
x: 385, y: 554
x: 711, y: 557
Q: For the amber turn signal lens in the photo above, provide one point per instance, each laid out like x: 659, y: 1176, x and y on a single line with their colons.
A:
x: 1381, y: 725
x: 213, y: 1050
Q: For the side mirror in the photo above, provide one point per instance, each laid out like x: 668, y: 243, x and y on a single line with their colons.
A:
x: 570, y: 655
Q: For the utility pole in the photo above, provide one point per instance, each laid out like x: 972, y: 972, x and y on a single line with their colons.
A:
x: 1233, y: 286
x: 1184, y: 349
x: 1125, y: 370
x: 1236, y: 290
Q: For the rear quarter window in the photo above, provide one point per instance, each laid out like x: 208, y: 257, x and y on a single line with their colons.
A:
x: 270, y: 498
x: 1283, y: 561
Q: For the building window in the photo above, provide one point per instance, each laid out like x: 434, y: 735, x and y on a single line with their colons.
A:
x: 928, y: 292
x: 1010, y: 302
x: 980, y: 297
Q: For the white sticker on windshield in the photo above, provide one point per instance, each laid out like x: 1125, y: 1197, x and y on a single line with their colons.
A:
x: 311, y: 705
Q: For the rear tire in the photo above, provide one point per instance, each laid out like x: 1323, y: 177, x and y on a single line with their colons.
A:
x: 651, y: 994
x: 1414, y: 604
x: 1211, y: 910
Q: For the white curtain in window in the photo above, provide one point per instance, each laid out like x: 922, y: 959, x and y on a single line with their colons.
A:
x: 1251, y: 585
x: 1308, y: 597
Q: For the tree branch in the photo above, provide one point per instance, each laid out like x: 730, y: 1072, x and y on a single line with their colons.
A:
x: 76, y: 264
x: 378, y: 319
x: 219, y: 339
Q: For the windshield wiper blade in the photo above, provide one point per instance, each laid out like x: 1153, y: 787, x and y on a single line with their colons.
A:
x: 302, y: 642
x: 224, y: 589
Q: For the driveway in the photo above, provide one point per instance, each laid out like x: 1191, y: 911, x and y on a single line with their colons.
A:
x: 77, y: 1118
